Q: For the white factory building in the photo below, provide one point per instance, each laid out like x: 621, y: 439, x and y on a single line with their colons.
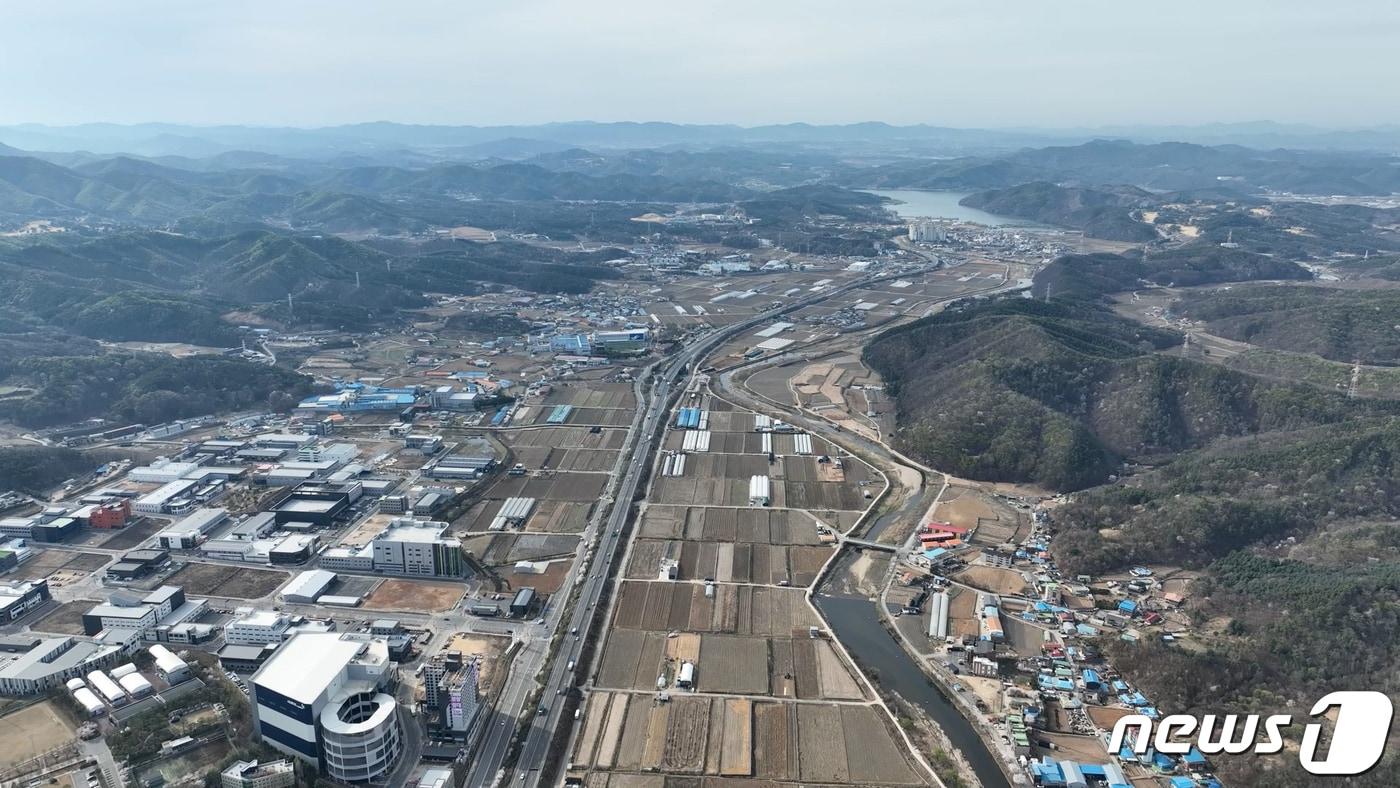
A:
x: 187, y: 533
x: 257, y: 627
x: 327, y: 699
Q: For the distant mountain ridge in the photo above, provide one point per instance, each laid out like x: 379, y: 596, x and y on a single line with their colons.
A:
x: 163, y: 139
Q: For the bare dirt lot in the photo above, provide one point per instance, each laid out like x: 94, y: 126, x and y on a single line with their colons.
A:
x: 66, y: 619
x: 132, y: 535
x: 230, y: 581
x: 489, y: 647
x: 415, y: 595
x: 997, y: 581
x: 46, y: 562
x: 30, y: 731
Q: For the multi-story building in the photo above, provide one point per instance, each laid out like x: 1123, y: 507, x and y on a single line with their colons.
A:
x: 112, y: 514
x: 417, y: 547
x: 450, y: 684
x: 19, y: 597
x: 928, y: 232
x: 327, y: 699
x: 163, y: 614
x: 55, y: 661
x: 257, y: 627
x: 252, y: 774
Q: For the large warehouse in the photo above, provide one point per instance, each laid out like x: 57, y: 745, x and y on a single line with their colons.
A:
x: 308, y: 586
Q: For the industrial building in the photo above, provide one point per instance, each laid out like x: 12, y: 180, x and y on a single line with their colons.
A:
x: 252, y: 774
x: 54, y: 661
x: 450, y: 685
x: 187, y: 533
x: 245, y: 659
x: 164, y: 615
x: 327, y: 699
x: 417, y: 547
x: 318, y: 505
x: 18, y: 597
x: 693, y: 419
x: 257, y: 627
x: 633, y: 340
x: 137, y: 564
x: 161, y: 471
x: 112, y: 514
x: 307, y: 586
x: 760, y: 491
x: 172, y: 497
x: 523, y: 602
x: 51, y: 525
x: 457, y: 467
x: 360, y: 398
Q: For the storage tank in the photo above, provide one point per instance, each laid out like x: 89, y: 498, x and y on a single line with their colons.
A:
x: 75, y: 684
x: 89, y: 701
x: 136, y: 684
x: 123, y: 670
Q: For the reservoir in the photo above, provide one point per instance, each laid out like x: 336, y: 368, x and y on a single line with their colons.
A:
x: 854, y: 622
x: 915, y: 203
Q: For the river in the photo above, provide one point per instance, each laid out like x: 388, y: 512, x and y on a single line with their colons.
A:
x: 855, y: 622
x: 917, y: 203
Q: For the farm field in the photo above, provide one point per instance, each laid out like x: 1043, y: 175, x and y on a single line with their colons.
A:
x: 747, y: 526
x: 737, y: 738
x: 726, y: 562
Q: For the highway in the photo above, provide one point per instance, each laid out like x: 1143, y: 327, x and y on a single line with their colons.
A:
x: 646, y: 432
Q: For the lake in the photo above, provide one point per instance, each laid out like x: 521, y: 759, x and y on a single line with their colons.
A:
x: 918, y: 203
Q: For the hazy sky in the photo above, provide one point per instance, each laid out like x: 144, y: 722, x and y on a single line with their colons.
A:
x: 967, y: 63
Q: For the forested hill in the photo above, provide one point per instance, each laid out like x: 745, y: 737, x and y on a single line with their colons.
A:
x: 1106, y: 213
x: 1342, y: 325
x: 144, y: 387
x: 159, y: 286
x: 1059, y: 393
x: 1092, y: 276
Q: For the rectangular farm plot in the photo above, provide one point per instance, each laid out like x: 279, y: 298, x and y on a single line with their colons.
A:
x: 872, y: 754
x: 686, y: 732
x: 773, y: 746
x: 595, y: 713
x: 733, y: 664
x: 835, y: 677
x: 736, y: 748
x: 634, y: 737
x: 632, y: 659
x: 819, y: 730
